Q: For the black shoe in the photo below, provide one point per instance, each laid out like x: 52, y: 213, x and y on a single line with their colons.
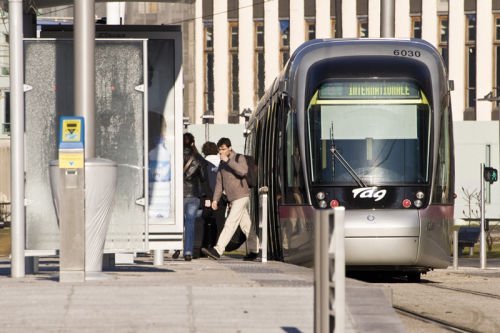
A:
x: 211, y: 253
x: 176, y: 254
x: 188, y: 257
x: 251, y: 256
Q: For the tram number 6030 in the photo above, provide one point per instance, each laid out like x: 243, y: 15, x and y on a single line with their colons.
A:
x: 407, y: 53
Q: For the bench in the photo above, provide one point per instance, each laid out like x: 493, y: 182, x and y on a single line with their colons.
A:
x: 467, y: 237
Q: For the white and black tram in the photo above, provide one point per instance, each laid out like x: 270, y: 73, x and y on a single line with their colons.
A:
x: 364, y: 124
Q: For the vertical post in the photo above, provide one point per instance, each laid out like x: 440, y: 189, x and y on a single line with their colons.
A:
x: 17, y: 137
x: 387, y: 18
x: 482, y: 251
x: 157, y: 257
x: 338, y: 19
x: 339, y: 274
x: 263, y: 221
x: 455, y: 248
x: 321, y: 273
x: 84, y: 68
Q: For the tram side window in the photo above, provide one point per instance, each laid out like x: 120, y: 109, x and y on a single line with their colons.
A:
x: 295, y: 192
x: 443, y: 192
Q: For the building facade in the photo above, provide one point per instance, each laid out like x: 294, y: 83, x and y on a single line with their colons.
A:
x: 233, y: 50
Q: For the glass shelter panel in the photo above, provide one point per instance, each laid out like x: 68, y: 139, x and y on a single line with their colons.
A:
x: 119, y: 133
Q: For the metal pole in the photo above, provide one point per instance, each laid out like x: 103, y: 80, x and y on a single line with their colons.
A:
x: 325, y: 271
x: 17, y: 137
x: 338, y: 18
x: 339, y: 274
x: 263, y: 221
x: 84, y: 68
x: 387, y: 16
x: 455, y: 248
x: 321, y: 273
x: 482, y: 251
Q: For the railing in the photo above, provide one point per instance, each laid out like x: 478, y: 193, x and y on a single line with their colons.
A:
x: 329, y: 272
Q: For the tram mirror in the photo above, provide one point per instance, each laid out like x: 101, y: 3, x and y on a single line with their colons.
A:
x: 490, y: 174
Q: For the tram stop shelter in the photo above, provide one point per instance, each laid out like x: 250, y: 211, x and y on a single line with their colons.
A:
x: 118, y: 132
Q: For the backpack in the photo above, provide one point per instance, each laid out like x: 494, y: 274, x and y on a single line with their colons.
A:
x: 251, y: 176
x: 211, y: 172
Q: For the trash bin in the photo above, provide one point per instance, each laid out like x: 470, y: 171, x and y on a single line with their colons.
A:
x: 100, y: 186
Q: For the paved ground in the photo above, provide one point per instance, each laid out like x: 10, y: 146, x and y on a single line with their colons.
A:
x: 199, y: 296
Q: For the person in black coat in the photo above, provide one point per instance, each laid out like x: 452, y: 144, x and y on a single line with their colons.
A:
x: 195, y: 187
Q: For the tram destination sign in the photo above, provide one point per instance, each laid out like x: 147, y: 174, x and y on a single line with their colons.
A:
x: 369, y: 89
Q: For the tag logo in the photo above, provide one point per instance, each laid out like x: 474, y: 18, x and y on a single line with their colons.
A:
x: 369, y: 192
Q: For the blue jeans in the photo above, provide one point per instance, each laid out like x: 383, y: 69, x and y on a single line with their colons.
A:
x: 191, y: 206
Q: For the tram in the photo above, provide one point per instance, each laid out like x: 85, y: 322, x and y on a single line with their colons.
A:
x: 365, y: 124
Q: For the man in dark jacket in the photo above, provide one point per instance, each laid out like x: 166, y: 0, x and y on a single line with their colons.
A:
x: 195, y: 187
x: 231, y: 179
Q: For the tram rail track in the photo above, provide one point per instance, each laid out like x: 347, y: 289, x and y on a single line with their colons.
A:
x: 434, y: 321
x: 465, y: 291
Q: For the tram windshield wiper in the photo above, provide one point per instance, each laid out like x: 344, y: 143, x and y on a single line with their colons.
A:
x: 347, y: 166
x: 343, y: 161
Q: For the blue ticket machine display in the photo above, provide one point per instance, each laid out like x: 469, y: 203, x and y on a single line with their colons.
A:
x: 68, y: 189
x: 71, y: 142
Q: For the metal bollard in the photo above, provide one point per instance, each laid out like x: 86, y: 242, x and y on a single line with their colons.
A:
x: 158, y: 257
x: 326, y: 250
x: 263, y: 220
x: 337, y: 253
x: 455, y: 249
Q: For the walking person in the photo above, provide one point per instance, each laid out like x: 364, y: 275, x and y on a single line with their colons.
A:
x: 195, y: 185
x: 231, y: 179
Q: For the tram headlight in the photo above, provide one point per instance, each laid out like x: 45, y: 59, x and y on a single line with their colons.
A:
x: 322, y: 204
x: 334, y: 203
x: 417, y: 203
x: 420, y: 195
x: 320, y: 195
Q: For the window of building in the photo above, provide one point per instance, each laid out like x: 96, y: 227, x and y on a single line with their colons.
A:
x: 208, y: 59
x: 284, y: 42
x: 416, y: 27
x: 333, y: 22
x: 363, y: 26
x: 470, y: 46
x: 443, y: 38
x: 311, y: 29
x: 259, y: 60
x: 148, y: 8
x: 234, y: 89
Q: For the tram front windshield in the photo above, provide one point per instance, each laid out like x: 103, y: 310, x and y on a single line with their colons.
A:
x: 369, y: 133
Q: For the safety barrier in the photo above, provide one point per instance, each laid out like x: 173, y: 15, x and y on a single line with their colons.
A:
x: 329, y: 272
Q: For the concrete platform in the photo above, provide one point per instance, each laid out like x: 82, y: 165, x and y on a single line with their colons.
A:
x: 228, y: 295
